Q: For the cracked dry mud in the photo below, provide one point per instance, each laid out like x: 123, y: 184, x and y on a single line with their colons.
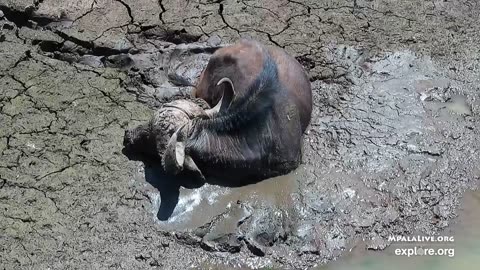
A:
x: 392, y: 147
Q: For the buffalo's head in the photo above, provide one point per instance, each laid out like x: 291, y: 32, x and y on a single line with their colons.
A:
x: 139, y: 142
x: 175, y: 160
x: 148, y: 142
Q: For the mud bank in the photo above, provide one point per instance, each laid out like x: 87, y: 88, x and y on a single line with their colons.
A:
x: 392, y: 146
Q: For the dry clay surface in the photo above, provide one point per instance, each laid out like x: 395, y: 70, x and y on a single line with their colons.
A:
x: 393, y: 143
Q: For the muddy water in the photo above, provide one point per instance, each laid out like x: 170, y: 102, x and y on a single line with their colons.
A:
x: 456, y: 105
x: 199, y: 206
x: 465, y: 254
x: 466, y: 247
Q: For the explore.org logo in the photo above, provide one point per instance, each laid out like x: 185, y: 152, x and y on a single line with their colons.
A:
x: 421, y: 238
x: 420, y: 249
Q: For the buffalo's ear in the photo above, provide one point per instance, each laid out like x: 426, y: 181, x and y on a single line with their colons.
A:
x: 174, y: 157
x: 227, y: 97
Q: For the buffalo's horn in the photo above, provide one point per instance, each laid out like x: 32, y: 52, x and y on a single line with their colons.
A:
x: 192, y: 167
x: 225, y: 79
x: 174, y: 157
x: 175, y: 160
x: 227, y: 97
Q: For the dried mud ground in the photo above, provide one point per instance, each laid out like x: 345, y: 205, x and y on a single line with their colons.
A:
x: 392, y: 147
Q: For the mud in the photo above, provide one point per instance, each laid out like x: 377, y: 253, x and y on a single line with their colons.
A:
x: 463, y: 251
x: 392, y: 147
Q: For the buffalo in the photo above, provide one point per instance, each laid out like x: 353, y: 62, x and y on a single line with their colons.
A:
x: 263, y: 104
x: 243, y: 63
x: 261, y: 99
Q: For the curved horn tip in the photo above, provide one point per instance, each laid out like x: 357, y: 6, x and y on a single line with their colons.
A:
x: 225, y: 79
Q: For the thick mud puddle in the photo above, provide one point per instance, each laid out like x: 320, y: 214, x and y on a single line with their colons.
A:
x: 455, y: 105
x: 199, y: 206
x: 460, y: 254
x: 463, y: 253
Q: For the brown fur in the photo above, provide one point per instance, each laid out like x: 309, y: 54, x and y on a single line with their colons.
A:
x: 242, y: 62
